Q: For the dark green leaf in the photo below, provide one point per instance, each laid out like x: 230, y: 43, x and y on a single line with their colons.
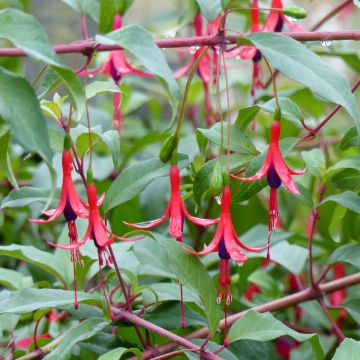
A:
x: 28, y: 300
x: 32, y: 255
x: 20, y: 108
x: 348, y: 199
x: 134, y: 179
x: 349, y: 139
x: 83, y: 331
x: 192, y: 273
x: 352, y: 306
x: 298, y: 63
x: 116, y: 354
x: 5, y: 163
x: 245, y: 115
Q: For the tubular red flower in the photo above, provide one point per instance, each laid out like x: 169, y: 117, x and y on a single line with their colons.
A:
x: 277, y: 173
x: 116, y: 66
x: 175, y: 210
x: 69, y: 203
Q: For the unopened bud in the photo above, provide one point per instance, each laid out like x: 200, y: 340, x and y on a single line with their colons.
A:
x: 216, y: 180
x: 168, y: 148
x: 295, y: 12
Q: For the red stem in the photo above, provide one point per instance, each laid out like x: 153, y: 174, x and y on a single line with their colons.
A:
x: 89, y: 46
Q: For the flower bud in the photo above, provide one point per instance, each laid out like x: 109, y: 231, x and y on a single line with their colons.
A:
x: 67, y: 142
x: 168, y: 148
x: 295, y: 12
x: 216, y: 180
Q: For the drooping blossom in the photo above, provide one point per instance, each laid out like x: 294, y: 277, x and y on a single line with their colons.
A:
x: 277, y: 172
x: 70, y: 205
x: 228, y: 246
x: 175, y: 210
x: 97, y: 231
x: 116, y: 66
x: 207, y: 65
x: 274, y: 23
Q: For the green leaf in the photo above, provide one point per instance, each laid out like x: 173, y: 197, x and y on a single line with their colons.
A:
x: 26, y: 33
x: 349, y: 253
x: 14, y: 279
x: 349, y: 139
x: 298, y: 63
x: 100, y: 87
x: 27, y: 300
x: 245, y: 115
x: 352, y: 307
x: 265, y: 327
x: 347, y: 179
x: 112, y: 141
x: 239, y: 142
x: 83, y: 331
x: 315, y: 162
x: 20, y: 108
x: 83, y: 143
x: 192, y: 273
x: 90, y: 7
x: 32, y: 255
x: 5, y: 163
x: 349, y: 349
x: 352, y: 162
x: 351, y: 59
x: 140, y: 43
x: 116, y: 354
x: 288, y: 108
x: 135, y: 179
x: 348, y: 199
x: 210, y: 8
x: 25, y: 196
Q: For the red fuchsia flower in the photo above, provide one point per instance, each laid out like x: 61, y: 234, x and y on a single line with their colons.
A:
x: 277, y: 172
x: 70, y: 205
x: 228, y: 245
x: 175, y: 210
x: 116, y: 66
x: 97, y: 231
x: 207, y: 65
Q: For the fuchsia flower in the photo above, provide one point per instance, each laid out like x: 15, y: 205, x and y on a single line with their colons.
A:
x: 227, y: 244
x: 70, y: 205
x: 277, y: 172
x: 175, y: 210
x: 116, y: 66
x: 207, y: 64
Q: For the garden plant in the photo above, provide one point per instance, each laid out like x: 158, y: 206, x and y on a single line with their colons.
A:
x: 180, y: 180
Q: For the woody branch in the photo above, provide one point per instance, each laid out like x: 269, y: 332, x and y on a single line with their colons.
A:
x: 88, y: 46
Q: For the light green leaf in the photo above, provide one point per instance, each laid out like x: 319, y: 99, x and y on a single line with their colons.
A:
x: 117, y: 353
x: 14, y: 279
x: 349, y: 349
x: 26, y: 33
x: 298, y: 63
x: 100, y: 87
x: 28, y: 300
x: 112, y: 141
x: 265, y: 327
x: 245, y: 115
x: 352, y: 162
x: 90, y: 7
x: 32, y: 255
x: 83, y: 331
x: 348, y: 199
x: 20, y: 108
x: 5, y: 163
x: 315, y: 162
x: 192, y: 273
x: 134, y: 179
x: 141, y: 44
x: 288, y: 108
x: 349, y: 253
x: 239, y: 142
x: 210, y: 8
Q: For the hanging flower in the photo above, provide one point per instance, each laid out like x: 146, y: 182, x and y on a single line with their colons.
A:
x: 116, y: 66
x: 228, y: 245
x: 175, y: 210
x: 70, y: 205
x: 207, y: 64
x: 277, y: 172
